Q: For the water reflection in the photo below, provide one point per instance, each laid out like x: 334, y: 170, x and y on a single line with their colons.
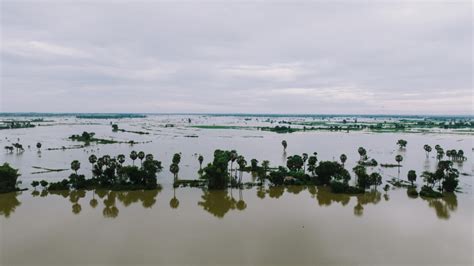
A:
x: 443, y: 206
x: 174, y: 202
x: 8, y: 203
x: 220, y: 202
x: 217, y: 202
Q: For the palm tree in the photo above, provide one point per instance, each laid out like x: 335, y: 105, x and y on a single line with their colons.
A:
x: 427, y: 149
x: 285, y: 144
x: 402, y: 143
x: 305, y: 158
x: 440, y: 154
x: 242, y: 163
x: 460, y: 154
x: 38, y: 145
x: 200, y: 159
x: 174, y: 169
x: 412, y: 176
x: 449, y: 154
x: 176, y: 158
x: 121, y: 159
x: 343, y: 159
x: 174, y: 202
x: 141, y: 156
x: 75, y: 165
x: 133, y: 156
x: 362, y: 152
x: 398, y: 158
x: 149, y: 157
x: 233, y: 157
x: 265, y: 165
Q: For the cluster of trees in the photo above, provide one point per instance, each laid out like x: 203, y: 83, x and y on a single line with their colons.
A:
x: 452, y: 155
x: 445, y: 176
x: 8, y: 178
x: 402, y: 143
x: 111, y: 173
x: 17, y: 146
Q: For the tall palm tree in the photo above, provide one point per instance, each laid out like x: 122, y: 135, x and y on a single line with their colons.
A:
x: 305, y: 158
x: 343, y: 159
x: 75, y: 165
x: 38, y: 145
x: 133, y: 156
x: 141, y: 156
x: 92, y: 160
x: 200, y: 159
x: 362, y: 152
x: 176, y: 158
x: 265, y: 165
x: 233, y: 157
x: 398, y: 158
x: 285, y: 144
x: 428, y: 149
x: 149, y: 157
x: 174, y: 169
x: 121, y: 159
x: 242, y: 163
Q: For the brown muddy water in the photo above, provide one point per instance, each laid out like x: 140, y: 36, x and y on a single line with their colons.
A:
x: 258, y: 226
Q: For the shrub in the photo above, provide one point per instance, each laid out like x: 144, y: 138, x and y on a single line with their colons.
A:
x: 8, y: 178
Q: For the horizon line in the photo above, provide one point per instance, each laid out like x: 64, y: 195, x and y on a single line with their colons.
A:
x: 239, y: 114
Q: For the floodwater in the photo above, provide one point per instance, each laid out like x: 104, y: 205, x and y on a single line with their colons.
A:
x: 259, y: 226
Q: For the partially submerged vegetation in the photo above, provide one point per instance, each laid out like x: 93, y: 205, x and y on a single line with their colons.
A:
x: 109, y: 116
x: 8, y: 178
x: 111, y: 173
x: 88, y: 137
x: 115, y: 128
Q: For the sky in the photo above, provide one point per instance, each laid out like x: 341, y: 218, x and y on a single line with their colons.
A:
x: 301, y: 57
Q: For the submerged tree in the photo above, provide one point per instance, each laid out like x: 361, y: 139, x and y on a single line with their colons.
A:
x: 412, y: 177
x: 133, y: 156
x: 121, y: 159
x: 284, y: 144
x: 8, y: 178
x: 174, y: 169
x: 75, y: 165
x: 427, y: 149
x: 295, y: 163
x: 362, y: 152
x: 402, y: 143
x: 398, y: 159
x: 216, y: 173
x: 38, y: 145
x: 343, y: 159
x: 141, y: 156
x: 200, y: 159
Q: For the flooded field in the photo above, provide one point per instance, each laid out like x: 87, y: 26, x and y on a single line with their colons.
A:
x: 294, y: 225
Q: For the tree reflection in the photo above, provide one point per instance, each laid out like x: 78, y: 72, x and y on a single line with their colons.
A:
x: 443, y: 206
x: 217, y: 202
x: 325, y: 197
x: 174, y: 202
x: 8, y: 203
x: 371, y: 197
x: 110, y: 210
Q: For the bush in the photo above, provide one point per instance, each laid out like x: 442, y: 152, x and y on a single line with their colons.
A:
x: 340, y: 187
x: 8, y: 178
x: 428, y: 192
x: 61, y: 185
x: 326, y: 170
x: 278, y: 177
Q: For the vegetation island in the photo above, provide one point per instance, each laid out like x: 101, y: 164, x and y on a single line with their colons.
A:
x: 227, y: 167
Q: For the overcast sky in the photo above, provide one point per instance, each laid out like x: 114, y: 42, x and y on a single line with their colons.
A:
x: 266, y: 57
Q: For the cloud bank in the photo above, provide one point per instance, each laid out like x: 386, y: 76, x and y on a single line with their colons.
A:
x: 246, y: 57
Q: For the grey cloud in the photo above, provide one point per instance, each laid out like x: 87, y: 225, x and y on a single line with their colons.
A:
x: 271, y: 57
